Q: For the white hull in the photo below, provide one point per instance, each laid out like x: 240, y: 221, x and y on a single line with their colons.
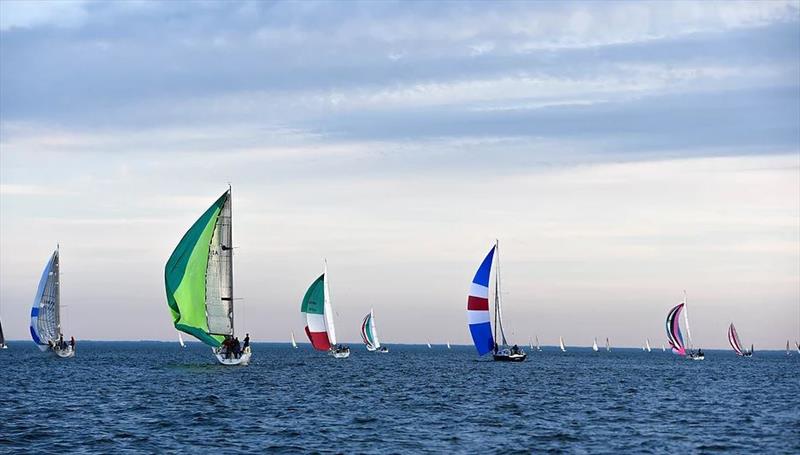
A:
x: 65, y: 353
x: 244, y: 359
x: 341, y: 354
x: 697, y: 357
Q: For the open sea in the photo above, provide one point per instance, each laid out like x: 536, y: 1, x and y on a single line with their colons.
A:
x: 157, y: 397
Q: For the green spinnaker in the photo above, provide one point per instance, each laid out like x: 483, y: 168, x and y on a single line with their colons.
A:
x: 185, y: 277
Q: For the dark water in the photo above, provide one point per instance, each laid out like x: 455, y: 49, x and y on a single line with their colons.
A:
x: 157, y: 397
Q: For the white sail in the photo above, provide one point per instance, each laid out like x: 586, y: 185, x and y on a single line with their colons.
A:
x: 448, y: 345
x: 328, y: 308
x: 686, y: 320
x: 377, y: 343
x: 561, y: 343
x: 498, y: 293
x: 294, y: 343
x: 180, y: 340
x: 219, y: 274
x: 608, y: 345
x: 663, y: 348
x: 538, y: 347
x: 647, y: 344
x: 594, y: 346
x: 429, y: 346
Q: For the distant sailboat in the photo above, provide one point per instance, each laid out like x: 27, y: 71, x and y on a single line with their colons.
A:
x: 733, y: 339
x: 647, y: 345
x: 663, y: 349
x: 429, y: 346
x: 788, y: 351
x: 608, y: 345
x: 46, y: 312
x: 369, y: 333
x: 478, y: 315
x: 294, y: 343
x: 2, y: 338
x: 674, y: 332
x: 180, y: 340
x: 594, y: 346
x: 538, y: 347
x: 198, y: 278
x: 448, y: 345
x: 318, y: 312
x: 798, y: 346
x: 561, y: 344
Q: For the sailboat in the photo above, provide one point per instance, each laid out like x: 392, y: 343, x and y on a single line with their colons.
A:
x: 294, y: 343
x: 46, y: 312
x: 674, y: 332
x: 369, y: 333
x: 594, y: 346
x: 538, y: 347
x: 561, y: 344
x: 478, y: 314
x: 788, y: 351
x: 647, y: 345
x: 608, y: 345
x: 429, y: 346
x: 663, y: 349
x: 198, y: 278
x: 2, y: 338
x: 318, y: 313
x: 733, y: 339
x: 448, y: 345
x: 180, y: 340
x: 798, y: 346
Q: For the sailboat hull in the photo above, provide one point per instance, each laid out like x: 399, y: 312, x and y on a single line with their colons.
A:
x: 65, y: 353
x: 505, y: 357
x: 341, y: 353
x: 243, y: 360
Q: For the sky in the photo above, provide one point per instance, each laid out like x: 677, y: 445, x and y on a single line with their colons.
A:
x: 621, y: 153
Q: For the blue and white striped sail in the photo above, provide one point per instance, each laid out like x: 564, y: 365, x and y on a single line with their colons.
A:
x: 478, y: 307
x: 45, y: 314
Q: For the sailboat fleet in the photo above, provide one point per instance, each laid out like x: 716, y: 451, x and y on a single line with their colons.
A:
x: 198, y: 279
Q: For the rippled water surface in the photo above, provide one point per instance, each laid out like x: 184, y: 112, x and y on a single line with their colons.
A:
x: 156, y: 397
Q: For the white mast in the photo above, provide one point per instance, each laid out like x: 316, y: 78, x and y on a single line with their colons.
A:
x: 686, y: 320
x: 327, y: 307
x: 497, y: 294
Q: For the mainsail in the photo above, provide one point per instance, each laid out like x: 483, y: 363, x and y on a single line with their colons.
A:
x: 46, y: 314
x: 608, y: 345
x: 199, y: 276
x: 594, y: 346
x: 674, y: 335
x: 561, y: 344
x: 369, y: 333
x: 2, y: 337
x: 313, y: 309
x: 647, y: 345
x: 294, y: 343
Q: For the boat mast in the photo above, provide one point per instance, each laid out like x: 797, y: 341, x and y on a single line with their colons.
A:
x: 686, y: 320
x: 328, y: 308
x: 230, y: 256
x: 57, y: 284
x: 498, y: 311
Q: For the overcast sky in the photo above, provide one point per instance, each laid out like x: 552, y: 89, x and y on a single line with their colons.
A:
x: 621, y: 152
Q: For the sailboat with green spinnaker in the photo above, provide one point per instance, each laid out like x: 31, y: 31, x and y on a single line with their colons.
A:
x: 199, y: 282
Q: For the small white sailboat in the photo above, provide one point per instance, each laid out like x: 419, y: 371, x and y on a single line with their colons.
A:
x: 2, y: 338
x: 369, y: 333
x: 561, y: 344
x: 594, y: 346
x: 608, y: 345
x: 788, y: 351
x: 663, y: 349
x: 798, y: 346
x: 318, y: 312
x: 538, y: 347
x: 647, y: 345
x: 294, y: 343
x: 429, y: 346
x: 448, y: 345
x: 180, y: 340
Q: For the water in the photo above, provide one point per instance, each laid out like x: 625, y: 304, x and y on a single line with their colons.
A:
x: 156, y: 397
